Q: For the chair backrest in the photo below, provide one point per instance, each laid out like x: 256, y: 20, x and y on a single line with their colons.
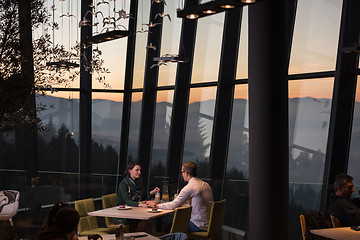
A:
x: 216, y: 217
x: 86, y: 222
x: 9, y: 204
x: 108, y: 201
x: 303, y: 226
x: 335, y: 221
x: 181, y: 220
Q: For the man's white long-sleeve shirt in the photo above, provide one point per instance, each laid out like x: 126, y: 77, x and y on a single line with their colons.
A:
x: 200, y: 195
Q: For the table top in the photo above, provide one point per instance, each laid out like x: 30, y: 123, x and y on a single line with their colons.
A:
x: 130, y: 213
x: 341, y: 233
x: 127, y: 236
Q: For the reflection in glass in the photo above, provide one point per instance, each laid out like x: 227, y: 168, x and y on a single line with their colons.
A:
x: 106, y: 129
x: 141, y: 43
x: 242, y: 65
x: 199, y: 128
x: 354, y: 156
x: 238, y: 155
x: 208, y: 48
x: 309, y: 117
x: 115, y: 63
x: 236, y: 187
x: 161, y: 136
x: 316, y: 35
x: 61, y: 142
x: 169, y: 43
x: 134, y: 126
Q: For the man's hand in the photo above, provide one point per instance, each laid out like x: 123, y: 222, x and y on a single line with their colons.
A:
x: 143, y: 204
x: 150, y: 204
x: 155, y: 190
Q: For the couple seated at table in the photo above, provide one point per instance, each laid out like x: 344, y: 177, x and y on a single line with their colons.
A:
x: 131, y: 192
x: 342, y: 206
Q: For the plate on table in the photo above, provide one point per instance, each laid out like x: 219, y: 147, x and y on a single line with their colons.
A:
x: 124, y: 208
x: 152, y: 211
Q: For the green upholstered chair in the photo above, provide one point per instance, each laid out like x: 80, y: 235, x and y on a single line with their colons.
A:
x: 303, y: 226
x: 335, y: 221
x: 215, y: 222
x: 109, y: 201
x: 180, y: 221
x: 88, y: 225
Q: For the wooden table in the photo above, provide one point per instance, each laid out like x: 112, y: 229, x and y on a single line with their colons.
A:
x: 130, y: 213
x: 127, y: 236
x: 341, y: 233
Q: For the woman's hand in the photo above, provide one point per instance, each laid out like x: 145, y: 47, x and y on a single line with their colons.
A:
x: 143, y: 205
x: 155, y: 190
x: 151, y: 204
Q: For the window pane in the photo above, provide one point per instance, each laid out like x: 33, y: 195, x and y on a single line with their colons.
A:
x: 106, y: 129
x: 236, y: 187
x: 354, y: 157
x: 316, y: 35
x: 199, y: 128
x: 169, y: 43
x: 208, y: 48
x: 161, y: 137
x: 134, y: 126
x: 141, y: 43
x: 242, y: 66
x: 61, y: 142
x: 114, y: 55
x: 309, y: 117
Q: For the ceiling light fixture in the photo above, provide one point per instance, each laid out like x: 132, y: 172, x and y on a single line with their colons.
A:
x: 192, y: 16
x: 106, y: 36
x: 212, y: 7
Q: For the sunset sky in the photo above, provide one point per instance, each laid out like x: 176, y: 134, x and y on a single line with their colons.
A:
x: 314, y: 48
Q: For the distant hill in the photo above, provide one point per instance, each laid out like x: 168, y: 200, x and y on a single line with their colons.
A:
x: 308, y: 121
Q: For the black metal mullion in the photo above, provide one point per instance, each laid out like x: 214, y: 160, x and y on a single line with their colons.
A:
x: 148, y: 106
x: 181, y: 96
x: 338, y: 145
x: 225, y: 97
x: 85, y: 106
x: 129, y: 74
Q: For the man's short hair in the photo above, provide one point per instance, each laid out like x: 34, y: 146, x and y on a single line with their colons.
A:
x: 67, y: 219
x: 190, y: 168
x: 341, y: 179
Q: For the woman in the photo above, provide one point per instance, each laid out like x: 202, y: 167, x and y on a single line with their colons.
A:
x: 131, y: 192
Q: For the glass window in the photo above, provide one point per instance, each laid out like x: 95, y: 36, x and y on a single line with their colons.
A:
x: 164, y: 107
x: 113, y: 52
x: 169, y: 43
x: 199, y: 128
x: 236, y: 185
x: 316, y: 35
x: 106, y: 129
x: 114, y: 55
x: 61, y: 142
x: 309, y: 117
x: 242, y: 65
x: 134, y: 127
x: 354, y: 156
x: 141, y: 43
x: 208, y: 48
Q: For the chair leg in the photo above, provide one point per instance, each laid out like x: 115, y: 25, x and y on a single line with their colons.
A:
x: 11, y: 222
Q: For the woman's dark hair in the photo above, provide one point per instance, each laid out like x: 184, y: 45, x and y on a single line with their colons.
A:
x: 130, y: 166
x: 50, y: 220
x: 67, y: 219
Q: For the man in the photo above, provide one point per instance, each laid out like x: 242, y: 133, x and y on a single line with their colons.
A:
x: 200, y: 195
x: 341, y: 205
x: 66, y: 224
